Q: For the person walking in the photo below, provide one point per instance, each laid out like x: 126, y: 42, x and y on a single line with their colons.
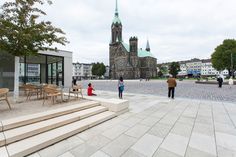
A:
x: 231, y: 82
x: 220, y: 81
x: 121, y: 87
x: 171, y: 86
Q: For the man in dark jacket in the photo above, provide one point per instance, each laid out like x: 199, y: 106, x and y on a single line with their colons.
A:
x: 171, y: 86
x: 220, y: 81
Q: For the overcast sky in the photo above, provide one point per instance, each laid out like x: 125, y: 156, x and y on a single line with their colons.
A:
x: 176, y: 29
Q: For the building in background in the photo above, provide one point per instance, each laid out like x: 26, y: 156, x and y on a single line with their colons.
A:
x: 128, y: 60
x: 197, y: 67
x: 208, y: 70
x: 82, y: 71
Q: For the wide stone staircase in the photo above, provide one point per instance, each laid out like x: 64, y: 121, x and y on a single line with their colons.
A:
x: 27, y: 134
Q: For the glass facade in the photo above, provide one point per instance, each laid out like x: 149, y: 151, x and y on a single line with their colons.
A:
x: 32, y: 69
x: 7, y: 69
x: 42, y: 69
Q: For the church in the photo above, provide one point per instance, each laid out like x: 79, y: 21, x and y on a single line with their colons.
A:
x: 127, y: 60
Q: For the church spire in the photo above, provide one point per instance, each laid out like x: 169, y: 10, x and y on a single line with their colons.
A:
x: 116, y: 11
x: 148, y: 46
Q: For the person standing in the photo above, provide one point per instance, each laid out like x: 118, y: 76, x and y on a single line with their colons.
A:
x: 220, y: 81
x: 231, y: 82
x: 74, y: 82
x: 121, y: 87
x: 171, y: 86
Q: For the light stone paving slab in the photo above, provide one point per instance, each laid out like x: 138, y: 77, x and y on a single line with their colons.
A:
x: 132, y: 153
x: 100, y: 154
x: 137, y: 131
x: 203, y: 143
x: 204, y: 120
x: 226, y: 141
x: 169, y: 120
x: 164, y: 153
x: 119, y: 146
x: 115, y: 131
x: 150, y: 121
x: 182, y: 130
x: 223, y: 118
x: 222, y: 152
x: 172, y: 144
x: 61, y: 147
x: 67, y: 154
x: 186, y: 120
x: 130, y: 122
x: 98, y: 141
x: 225, y: 128
x: 84, y: 150
x: 205, y: 129
x: 191, y: 152
x: 160, y: 130
x: 147, y: 145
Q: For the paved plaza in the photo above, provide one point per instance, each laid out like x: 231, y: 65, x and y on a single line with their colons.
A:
x: 159, y: 127
x: 185, y: 89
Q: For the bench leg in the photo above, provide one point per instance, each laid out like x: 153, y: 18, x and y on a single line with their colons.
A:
x: 8, y: 103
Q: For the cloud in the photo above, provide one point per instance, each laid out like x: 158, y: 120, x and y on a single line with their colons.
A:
x: 176, y: 29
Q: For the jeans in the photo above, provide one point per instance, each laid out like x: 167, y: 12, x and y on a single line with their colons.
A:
x: 120, y: 93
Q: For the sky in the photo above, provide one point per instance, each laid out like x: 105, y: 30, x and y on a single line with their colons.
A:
x: 176, y: 29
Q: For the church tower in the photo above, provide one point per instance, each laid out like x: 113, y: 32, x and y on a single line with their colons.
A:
x: 116, y: 27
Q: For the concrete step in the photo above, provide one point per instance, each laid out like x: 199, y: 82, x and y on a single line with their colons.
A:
x: 29, y: 119
x: 37, y: 142
x: 23, y: 132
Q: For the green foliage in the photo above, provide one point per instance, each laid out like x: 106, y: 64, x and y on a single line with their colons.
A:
x: 163, y: 70
x: 98, y: 69
x: 160, y: 74
x: 174, y: 68
x: 22, y: 33
x: 221, y: 57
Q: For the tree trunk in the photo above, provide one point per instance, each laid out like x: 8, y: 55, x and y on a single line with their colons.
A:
x: 16, y: 79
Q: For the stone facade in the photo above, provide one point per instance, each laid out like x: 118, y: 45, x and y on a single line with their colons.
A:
x: 127, y: 60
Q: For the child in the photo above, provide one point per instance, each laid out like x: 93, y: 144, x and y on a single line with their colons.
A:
x: 90, y: 90
x: 121, y: 87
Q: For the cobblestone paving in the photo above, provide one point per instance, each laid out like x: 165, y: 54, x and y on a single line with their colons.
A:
x: 185, y: 89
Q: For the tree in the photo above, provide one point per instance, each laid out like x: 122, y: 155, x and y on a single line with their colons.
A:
x: 21, y: 33
x: 98, y: 69
x: 174, y: 68
x: 163, y: 70
x: 224, y: 56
